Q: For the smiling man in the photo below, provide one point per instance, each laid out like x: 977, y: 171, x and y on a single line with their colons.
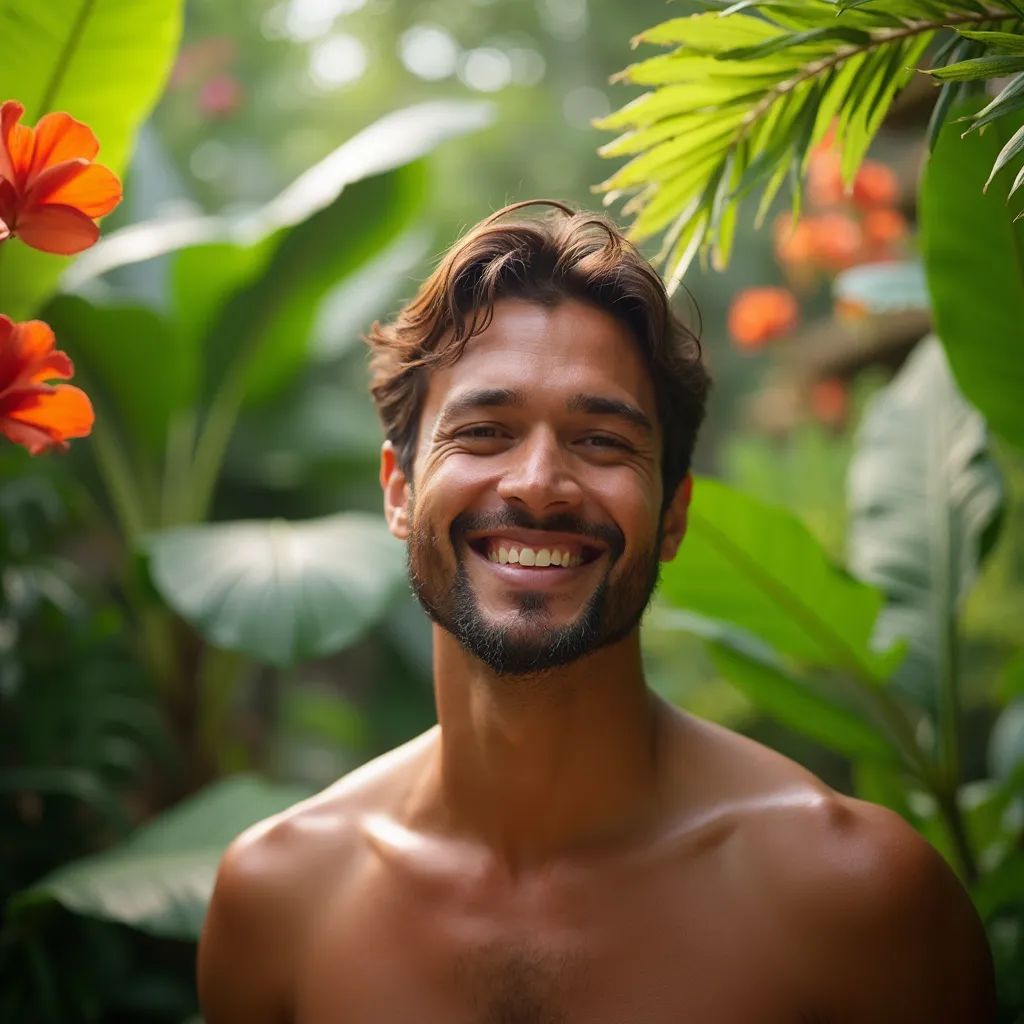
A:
x: 564, y: 847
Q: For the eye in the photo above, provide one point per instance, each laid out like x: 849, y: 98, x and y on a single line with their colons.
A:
x: 605, y: 441
x: 483, y: 432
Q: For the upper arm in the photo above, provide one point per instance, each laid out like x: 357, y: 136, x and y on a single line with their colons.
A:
x: 897, y: 938
x: 242, y: 968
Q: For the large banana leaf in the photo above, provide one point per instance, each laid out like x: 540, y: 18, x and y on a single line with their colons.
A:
x: 766, y: 681
x: 127, y: 360
x: 924, y: 497
x: 279, y: 591
x: 160, y: 879
x: 974, y: 258
x: 757, y: 566
x: 104, y: 62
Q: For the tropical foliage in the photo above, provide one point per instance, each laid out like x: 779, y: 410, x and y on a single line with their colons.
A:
x: 747, y: 93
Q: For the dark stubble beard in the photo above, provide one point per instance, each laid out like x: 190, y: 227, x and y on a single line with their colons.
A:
x: 527, y: 643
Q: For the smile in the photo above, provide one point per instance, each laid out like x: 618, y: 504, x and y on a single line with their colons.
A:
x: 555, y: 554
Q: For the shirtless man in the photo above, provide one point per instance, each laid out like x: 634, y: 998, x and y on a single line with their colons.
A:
x: 564, y: 847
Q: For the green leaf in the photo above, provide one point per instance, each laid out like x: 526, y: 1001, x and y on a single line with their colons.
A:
x: 1014, y: 145
x: 1007, y: 42
x: 1011, y: 678
x: 763, y: 104
x: 161, y: 878
x: 127, y: 359
x: 1003, y: 887
x: 974, y: 260
x: 924, y: 496
x: 1006, y: 744
x: 978, y: 68
x: 709, y: 33
x: 836, y: 34
x: 738, y: 564
x: 761, y: 676
x: 102, y: 61
x: 1008, y: 100
x: 279, y: 591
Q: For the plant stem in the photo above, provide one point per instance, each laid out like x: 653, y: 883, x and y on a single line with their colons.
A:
x: 218, y: 677
x: 119, y: 481
x: 174, y: 489
x: 949, y: 808
x: 879, y: 37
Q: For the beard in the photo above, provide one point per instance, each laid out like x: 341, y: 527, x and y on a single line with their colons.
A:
x: 526, y: 641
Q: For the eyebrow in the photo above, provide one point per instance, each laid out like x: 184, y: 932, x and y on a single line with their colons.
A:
x: 603, y: 405
x: 594, y: 405
x: 481, y: 398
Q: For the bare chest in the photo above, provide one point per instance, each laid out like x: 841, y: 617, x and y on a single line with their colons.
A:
x: 630, y: 949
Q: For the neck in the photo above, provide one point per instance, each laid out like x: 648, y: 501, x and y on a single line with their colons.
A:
x: 535, y: 766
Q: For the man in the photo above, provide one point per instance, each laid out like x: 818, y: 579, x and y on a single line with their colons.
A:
x: 564, y: 847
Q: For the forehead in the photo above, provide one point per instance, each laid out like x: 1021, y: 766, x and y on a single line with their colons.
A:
x: 548, y: 353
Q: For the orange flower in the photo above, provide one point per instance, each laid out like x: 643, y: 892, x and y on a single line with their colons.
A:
x: 875, y: 185
x: 33, y: 413
x: 836, y: 240
x: 825, y: 179
x: 794, y: 243
x: 884, y: 226
x: 758, y: 315
x: 50, y: 190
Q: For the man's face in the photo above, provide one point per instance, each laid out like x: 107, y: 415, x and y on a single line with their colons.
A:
x: 534, y: 527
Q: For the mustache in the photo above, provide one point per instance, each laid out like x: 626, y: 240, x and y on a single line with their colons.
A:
x: 606, y: 534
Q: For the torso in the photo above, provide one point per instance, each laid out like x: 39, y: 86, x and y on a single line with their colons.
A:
x: 684, y: 926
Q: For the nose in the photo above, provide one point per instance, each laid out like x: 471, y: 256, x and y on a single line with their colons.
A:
x: 538, y: 474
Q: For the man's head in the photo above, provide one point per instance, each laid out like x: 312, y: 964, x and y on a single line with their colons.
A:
x: 541, y: 404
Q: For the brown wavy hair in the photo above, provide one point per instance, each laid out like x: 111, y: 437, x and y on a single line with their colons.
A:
x: 566, y: 254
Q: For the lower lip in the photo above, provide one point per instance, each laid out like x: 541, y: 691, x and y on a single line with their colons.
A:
x: 528, y: 576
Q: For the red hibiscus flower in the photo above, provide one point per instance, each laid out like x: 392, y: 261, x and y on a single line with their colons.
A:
x: 33, y: 413
x: 50, y: 190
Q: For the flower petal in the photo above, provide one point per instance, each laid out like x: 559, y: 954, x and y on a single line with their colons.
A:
x: 62, y: 412
x: 8, y: 200
x: 26, y: 350
x: 16, y: 143
x: 52, y: 179
x: 59, y: 229
x: 60, y: 137
x: 95, y: 190
x: 33, y: 438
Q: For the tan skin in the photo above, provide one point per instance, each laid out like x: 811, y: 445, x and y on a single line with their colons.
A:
x: 569, y: 849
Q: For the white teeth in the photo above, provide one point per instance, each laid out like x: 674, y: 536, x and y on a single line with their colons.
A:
x: 540, y: 557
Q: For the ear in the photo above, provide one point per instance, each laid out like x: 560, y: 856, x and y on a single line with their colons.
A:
x: 674, y: 519
x: 396, y: 492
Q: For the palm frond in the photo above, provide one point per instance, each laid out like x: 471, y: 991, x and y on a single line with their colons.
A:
x: 748, y: 89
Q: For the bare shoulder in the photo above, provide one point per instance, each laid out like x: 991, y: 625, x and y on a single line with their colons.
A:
x: 271, y: 880
x: 895, y: 933
x: 882, y: 927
